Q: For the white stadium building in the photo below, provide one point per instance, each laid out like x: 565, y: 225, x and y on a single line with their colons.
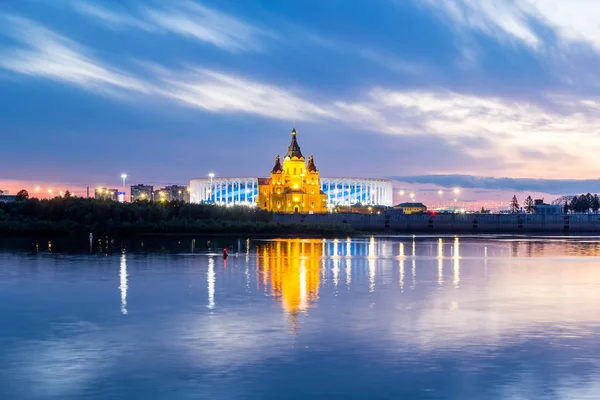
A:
x: 244, y: 191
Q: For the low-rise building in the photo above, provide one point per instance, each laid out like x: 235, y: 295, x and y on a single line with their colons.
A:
x: 411, y: 208
x: 106, y: 194
x: 172, y: 193
x: 142, y: 192
x: 547, y: 209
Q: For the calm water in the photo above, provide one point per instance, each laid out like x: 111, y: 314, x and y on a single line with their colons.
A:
x: 369, y: 318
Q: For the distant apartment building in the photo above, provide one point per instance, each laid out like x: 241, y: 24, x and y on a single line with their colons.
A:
x: 106, y: 194
x: 172, y: 193
x: 5, y: 197
x: 142, y: 192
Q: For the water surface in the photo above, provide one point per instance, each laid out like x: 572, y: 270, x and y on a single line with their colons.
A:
x: 487, y: 317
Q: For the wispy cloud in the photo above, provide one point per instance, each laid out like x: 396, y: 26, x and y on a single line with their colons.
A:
x: 571, y: 21
x: 188, y: 19
x: 219, y: 92
x: 513, y: 133
x: 502, y: 19
x: 512, y: 127
x: 47, y: 54
x: 111, y: 18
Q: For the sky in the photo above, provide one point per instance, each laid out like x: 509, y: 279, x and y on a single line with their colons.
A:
x: 412, y: 89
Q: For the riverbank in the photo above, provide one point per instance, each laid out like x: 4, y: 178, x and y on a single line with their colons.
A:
x: 78, y: 216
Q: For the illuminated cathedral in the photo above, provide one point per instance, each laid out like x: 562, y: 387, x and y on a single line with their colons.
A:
x: 293, y: 187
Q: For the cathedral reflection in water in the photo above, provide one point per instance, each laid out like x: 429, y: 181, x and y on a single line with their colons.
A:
x: 290, y: 270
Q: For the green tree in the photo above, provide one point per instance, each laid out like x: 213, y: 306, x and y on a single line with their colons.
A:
x: 68, y: 194
x: 514, y: 205
x: 573, y: 205
x: 596, y: 204
x: 22, y: 195
x: 529, y: 205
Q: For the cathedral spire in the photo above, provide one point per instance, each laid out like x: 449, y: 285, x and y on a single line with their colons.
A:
x: 294, y: 148
x: 311, y: 165
x: 277, y: 167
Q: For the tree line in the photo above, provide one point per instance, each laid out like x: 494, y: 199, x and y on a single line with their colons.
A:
x: 70, y: 214
x: 583, y: 203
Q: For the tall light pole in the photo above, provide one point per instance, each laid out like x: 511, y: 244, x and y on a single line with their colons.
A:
x: 412, y: 196
x: 124, y: 177
x: 401, y: 196
x: 456, y: 193
x: 440, y: 193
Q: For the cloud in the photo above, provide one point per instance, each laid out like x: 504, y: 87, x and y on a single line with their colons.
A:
x: 501, y: 19
x: 520, y: 20
x: 511, y: 128
x: 50, y: 55
x: 550, y: 186
x: 543, y: 135
x: 112, y: 18
x: 218, y: 92
x: 188, y: 19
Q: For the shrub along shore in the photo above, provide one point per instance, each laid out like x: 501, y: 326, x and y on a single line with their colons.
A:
x: 77, y: 216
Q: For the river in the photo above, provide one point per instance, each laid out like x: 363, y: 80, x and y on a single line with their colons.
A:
x: 394, y: 317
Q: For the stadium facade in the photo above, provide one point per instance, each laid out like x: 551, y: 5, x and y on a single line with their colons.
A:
x: 244, y: 191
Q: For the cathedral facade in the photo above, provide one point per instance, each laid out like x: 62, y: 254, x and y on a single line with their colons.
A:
x: 294, y: 186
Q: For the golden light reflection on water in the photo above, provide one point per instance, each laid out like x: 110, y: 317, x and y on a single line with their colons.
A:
x: 290, y: 272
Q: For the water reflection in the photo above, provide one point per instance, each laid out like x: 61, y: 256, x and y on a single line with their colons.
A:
x: 456, y: 262
x: 210, y: 279
x: 290, y: 272
x: 440, y: 257
x: 123, y: 280
x: 527, y: 328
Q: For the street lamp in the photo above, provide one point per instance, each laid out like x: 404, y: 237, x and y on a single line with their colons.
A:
x: 401, y: 196
x: 456, y: 192
x: 412, y: 196
x: 124, y: 177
